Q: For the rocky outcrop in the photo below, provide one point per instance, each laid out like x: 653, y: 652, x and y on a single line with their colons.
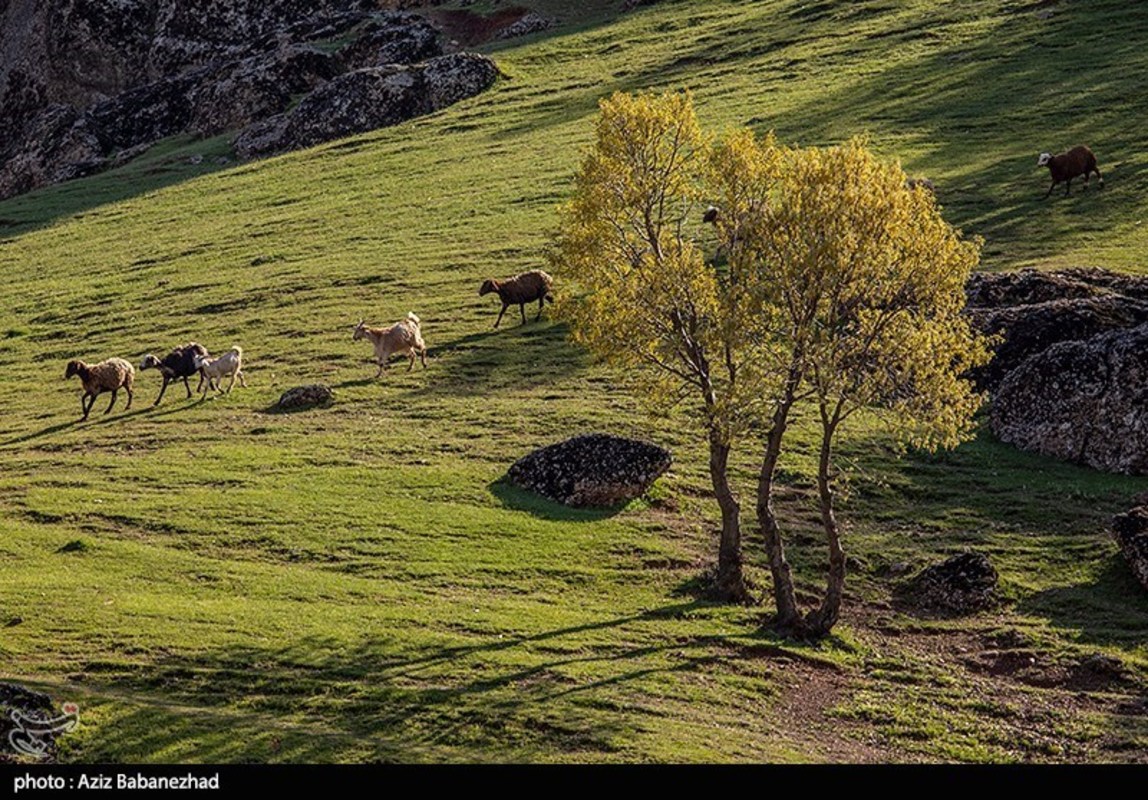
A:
x: 370, y: 98
x: 86, y: 85
x: 257, y: 87
x: 525, y: 25
x: 315, y: 394
x: 1131, y: 532
x: 963, y: 584
x: 1067, y: 379
x: 394, y: 39
x: 1085, y: 402
x: 594, y: 470
x: 1030, y: 329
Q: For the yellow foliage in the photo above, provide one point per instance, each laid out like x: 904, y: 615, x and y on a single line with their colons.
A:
x: 838, y: 282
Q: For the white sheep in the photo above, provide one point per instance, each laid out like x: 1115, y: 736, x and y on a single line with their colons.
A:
x: 402, y: 338
x: 228, y: 365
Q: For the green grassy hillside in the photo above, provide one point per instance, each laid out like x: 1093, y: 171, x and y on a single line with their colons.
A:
x: 215, y: 581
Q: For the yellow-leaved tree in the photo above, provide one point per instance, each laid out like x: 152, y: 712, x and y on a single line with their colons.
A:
x: 648, y: 300
x: 859, y: 283
x: 839, y: 287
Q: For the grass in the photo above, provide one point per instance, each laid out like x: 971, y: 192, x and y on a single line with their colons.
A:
x: 215, y: 582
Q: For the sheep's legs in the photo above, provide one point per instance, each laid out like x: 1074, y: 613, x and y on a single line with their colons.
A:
x: 500, y: 313
x: 242, y: 378
x: 522, y: 311
x: 1050, y: 188
x: 114, y: 393
x: 129, y: 405
x: 187, y: 386
x: 423, y: 357
x: 161, y: 391
x: 411, y: 365
x: 85, y: 406
x: 1067, y: 186
x: 382, y: 365
x: 541, y: 302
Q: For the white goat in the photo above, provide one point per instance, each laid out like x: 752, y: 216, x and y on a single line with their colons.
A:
x: 402, y: 338
x: 230, y: 364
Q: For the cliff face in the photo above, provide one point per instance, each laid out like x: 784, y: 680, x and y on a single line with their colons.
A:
x: 88, y: 83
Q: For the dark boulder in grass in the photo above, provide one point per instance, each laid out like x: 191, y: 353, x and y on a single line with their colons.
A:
x: 305, y: 397
x: 370, y: 98
x: 1085, y: 402
x: 1131, y: 532
x: 963, y: 584
x: 15, y: 699
x: 592, y: 471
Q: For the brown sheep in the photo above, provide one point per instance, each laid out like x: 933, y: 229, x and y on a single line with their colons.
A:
x: 404, y: 338
x: 1066, y: 166
x: 520, y: 290
x: 107, y: 376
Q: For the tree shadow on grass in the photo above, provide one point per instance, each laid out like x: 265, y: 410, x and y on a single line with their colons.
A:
x: 324, y: 699
x: 1110, y: 609
x: 536, y: 505
x: 521, y: 357
x: 99, y: 420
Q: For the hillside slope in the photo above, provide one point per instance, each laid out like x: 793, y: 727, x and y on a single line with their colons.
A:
x: 213, y: 581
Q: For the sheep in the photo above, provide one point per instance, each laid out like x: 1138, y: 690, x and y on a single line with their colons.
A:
x: 230, y: 364
x: 924, y: 183
x: 176, y: 365
x: 520, y: 290
x: 711, y: 215
x: 403, y: 338
x: 107, y: 376
x: 1066, y: 166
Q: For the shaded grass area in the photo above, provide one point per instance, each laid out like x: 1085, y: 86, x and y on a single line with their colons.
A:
x: 215, y: 582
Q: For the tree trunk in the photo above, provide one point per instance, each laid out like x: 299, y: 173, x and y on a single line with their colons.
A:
x: 729, y: 585
x: 821, y: 621
x: 784, y: 596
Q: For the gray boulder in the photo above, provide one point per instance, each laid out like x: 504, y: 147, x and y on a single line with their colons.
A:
x: 257, y: 87
x: 1032, y: 328
x: 1131, y: 532
x: 306, y: 396
x: 525, y: 25
x: 369, y: 98
x: 394, y: 38
x: 1085, y: 402
x: 963, y: 584
x: 594, y: 470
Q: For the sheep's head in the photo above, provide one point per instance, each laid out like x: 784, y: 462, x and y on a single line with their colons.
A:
x: 711, y: 214
x: 359, y: 330
x: 201, y: 361
x: 489, y: 285
x: 1044, y: 159
x: 150, y: 362
x: 73, y: 369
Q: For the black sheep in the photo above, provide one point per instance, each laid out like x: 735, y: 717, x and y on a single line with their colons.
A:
x: 180, y: 363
